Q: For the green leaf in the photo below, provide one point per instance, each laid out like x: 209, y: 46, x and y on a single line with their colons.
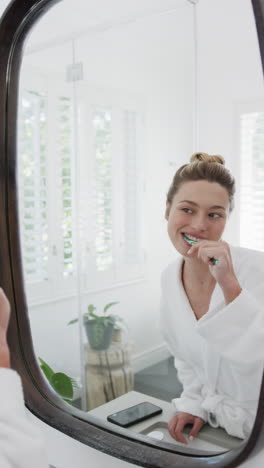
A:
x: 116, y: 318
x: 109, y: 305
x: 91, y: 308
x: 110, y: 320
x: 73, y: 321
x: 96, y: 317
x: 62, y: 385
x: 46, y: 369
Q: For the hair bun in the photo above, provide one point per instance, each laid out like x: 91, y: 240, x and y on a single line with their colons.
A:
x: 204, y: 157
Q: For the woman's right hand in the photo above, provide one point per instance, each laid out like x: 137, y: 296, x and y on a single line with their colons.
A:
x: 177, y: 424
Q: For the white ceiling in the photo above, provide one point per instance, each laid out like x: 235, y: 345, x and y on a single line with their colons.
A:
x: 78, y: 17
x: 143, y: 41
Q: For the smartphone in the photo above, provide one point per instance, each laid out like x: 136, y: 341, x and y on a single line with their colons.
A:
x: 134, y: 414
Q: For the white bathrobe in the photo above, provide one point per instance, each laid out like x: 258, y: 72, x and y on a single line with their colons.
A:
x: 21, y: 444
x: 219, y: 358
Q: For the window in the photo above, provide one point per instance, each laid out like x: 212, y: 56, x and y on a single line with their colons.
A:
x: 47, y: 161
x: 33, y: 190
x: 102, y: 126
x: 252, y: 175
x: 66, y: 177
x: 112, y: 159
x: 93, y: 227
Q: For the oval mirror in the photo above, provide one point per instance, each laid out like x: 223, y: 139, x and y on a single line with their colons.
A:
x: 103, y: 106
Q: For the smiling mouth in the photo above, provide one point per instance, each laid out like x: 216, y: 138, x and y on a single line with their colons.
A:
x: 190, y: 239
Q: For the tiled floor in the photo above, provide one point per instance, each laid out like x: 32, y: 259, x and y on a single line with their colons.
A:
x: 159, y: 381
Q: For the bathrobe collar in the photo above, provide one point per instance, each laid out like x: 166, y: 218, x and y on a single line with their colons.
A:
x: 175, y: 283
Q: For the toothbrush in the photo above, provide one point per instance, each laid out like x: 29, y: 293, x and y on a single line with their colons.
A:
x: 192, y: 242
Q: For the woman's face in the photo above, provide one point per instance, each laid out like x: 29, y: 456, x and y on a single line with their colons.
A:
x: 199, y: 209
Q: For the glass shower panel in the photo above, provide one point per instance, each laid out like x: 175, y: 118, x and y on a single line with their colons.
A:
x: 48, y: 211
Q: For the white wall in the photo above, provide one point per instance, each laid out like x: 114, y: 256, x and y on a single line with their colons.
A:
x: 230, y: 74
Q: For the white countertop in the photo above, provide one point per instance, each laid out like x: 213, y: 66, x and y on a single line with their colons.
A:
x: 209, y: 439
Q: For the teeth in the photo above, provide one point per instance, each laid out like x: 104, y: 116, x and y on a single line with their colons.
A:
x: 191, y: 237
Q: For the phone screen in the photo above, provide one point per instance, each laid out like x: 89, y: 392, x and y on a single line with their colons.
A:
x: 134, y: 414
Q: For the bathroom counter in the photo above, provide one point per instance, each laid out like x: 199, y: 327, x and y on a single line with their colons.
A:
x: 209, y: 439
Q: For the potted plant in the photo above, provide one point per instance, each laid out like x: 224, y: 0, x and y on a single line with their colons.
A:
x: 99, y: 327
x: 60, y: 382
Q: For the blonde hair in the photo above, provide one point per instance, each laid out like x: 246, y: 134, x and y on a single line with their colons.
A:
x: 203, y: 166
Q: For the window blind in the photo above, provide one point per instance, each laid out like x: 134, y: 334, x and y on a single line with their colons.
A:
x: 103, y: 187
x: 110, y: 192
x: 252, y: 176
x: 32, y: 148
x: 66, y: 176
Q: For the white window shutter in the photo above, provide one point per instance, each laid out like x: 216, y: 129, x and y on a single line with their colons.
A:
x: 32, y: 147
x: 65, y: 147
x: 103, y: 188
x: 252, y: 176
x: 110, y: 191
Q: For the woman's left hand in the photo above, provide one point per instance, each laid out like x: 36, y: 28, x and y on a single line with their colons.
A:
x: 223, y: 271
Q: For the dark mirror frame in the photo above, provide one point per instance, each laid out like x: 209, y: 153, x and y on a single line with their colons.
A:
x: 15, y: 24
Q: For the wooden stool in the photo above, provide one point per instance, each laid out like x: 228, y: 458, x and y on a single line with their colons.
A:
x: 109, y: 373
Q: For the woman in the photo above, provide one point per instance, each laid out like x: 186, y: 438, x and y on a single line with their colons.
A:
x: 212, y: 305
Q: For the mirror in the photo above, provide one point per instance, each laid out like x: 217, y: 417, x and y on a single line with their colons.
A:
x: 82, y: 123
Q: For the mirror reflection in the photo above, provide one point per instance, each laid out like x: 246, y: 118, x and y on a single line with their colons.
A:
x: 113, y: 100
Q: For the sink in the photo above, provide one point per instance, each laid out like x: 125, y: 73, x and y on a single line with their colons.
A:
x: 209, y: 439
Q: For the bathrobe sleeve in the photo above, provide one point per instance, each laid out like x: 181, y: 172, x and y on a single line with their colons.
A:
x: 21, y: 444
x: 190, y: 400
x: 236, y: 330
